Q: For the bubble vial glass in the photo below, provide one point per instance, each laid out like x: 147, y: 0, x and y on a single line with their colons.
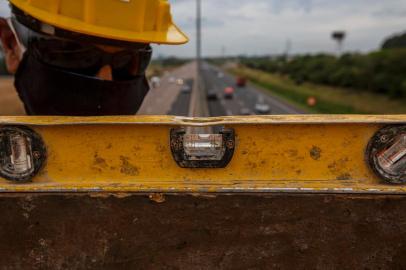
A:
x: 22, y: 153
x: 386, y: 154
x: 393, y: 159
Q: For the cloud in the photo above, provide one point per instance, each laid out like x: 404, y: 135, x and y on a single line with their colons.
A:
x: 264, y: 26
x: 4, y: 8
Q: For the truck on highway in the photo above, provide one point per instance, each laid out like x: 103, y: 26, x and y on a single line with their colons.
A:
x: 241, y: 81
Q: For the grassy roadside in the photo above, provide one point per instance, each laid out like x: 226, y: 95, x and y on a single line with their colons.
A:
x: 330, y: 100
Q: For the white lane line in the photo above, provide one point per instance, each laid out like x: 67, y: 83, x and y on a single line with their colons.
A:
x: 279, y: 104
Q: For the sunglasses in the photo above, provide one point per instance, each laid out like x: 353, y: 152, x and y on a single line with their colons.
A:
x: 84, y: 58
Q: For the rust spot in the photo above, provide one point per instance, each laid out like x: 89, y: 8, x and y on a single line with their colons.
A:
x: 109, y: 146
x: 99, y: 163
x: 161, y: 149
x: 338, y: 166
x: 245, y: 152
x: 315, y: 153
x: 157, y: 197
x: 344, y: 176
x: 136, y: 148
x: 127, y: 168
x: 292, y: 153
x: 252, y: 165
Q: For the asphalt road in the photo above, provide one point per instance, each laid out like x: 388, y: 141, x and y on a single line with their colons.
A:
x: 181, y: 105
x: 169, y: 99
x: 162, y: 99
x: 245, y: 98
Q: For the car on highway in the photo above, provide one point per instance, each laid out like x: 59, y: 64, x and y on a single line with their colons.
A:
x: 155, y: 82
x: 212, y: 94
x: 261, y: 107
x: 228, y: 92
x: 241, y: 81
x: 186, y: 89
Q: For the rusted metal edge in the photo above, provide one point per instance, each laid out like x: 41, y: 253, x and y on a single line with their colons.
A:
x: 60, y: 231
x: 196, y: 194
x: 202, y: 122
x: 205, y: 192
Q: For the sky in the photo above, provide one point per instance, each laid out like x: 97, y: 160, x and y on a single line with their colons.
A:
x: 257, y: 27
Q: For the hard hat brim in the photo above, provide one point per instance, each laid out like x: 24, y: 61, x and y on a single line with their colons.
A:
x: 172, y: 36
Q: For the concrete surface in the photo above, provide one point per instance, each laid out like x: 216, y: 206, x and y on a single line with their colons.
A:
x: 10, y: 103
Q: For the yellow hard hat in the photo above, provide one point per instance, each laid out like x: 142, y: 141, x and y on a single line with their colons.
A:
x: 139, y: 21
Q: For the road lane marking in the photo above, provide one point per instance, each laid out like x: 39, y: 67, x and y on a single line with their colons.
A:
x: 250, y: 90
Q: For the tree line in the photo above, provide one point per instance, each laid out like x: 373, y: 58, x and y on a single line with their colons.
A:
x: 395, y: 41
x: 381, y: 72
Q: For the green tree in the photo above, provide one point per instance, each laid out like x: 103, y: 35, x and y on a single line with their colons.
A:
x: 396, y: 41
x: 382, y: 71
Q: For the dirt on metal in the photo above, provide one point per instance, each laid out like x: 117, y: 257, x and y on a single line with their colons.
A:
x: 256, y: 231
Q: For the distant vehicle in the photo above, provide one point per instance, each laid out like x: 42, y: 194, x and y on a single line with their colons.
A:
x: 261, y: 107
x: 241, y: 81
x: 180, y: 81
x: 220, y: 75
x: 212, y: 94
x: 155, y: 81
x: 186, y: 89
x: 172, y: 79
x: 245, y: 111
x: 228, y: 92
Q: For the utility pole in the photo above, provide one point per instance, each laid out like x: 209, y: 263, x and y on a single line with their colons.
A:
x: 198, y: 35
x: 199, y: 96
x: 339, y: 37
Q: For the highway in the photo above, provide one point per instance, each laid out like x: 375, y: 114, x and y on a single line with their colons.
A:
x: 244, y: 99
x: 169, y: 98
x: 181, y: 105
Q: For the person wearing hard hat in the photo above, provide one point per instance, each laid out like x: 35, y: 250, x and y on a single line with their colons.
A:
x: 87, y: 57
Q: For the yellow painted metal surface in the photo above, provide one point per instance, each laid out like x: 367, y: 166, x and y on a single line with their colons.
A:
x: 278, y: 153
x: 187, y: 121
